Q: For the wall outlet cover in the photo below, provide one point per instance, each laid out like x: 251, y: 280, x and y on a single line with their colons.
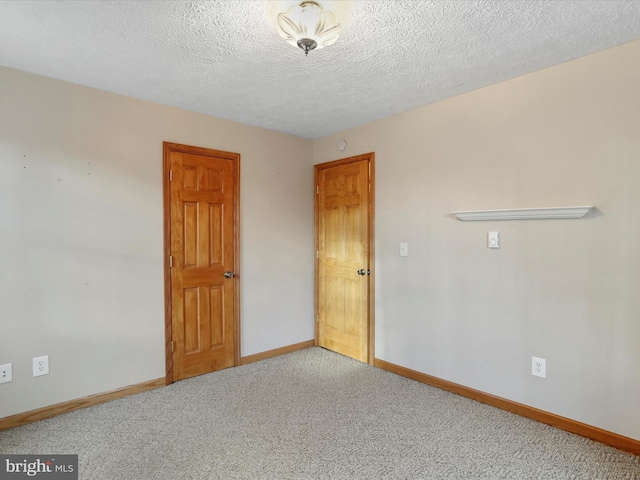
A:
x: 41, y: 365
x: 539, y: 367
x: 6, y: 373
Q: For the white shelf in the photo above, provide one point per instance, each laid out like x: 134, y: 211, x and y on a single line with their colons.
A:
x: 523, y: 214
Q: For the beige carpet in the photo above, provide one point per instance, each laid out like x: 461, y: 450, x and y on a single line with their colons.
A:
x: 313, y: 414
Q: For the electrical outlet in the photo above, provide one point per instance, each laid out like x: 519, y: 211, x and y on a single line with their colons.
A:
x: 6, y: 373
x: 539, y: 367
x: 40, y: 366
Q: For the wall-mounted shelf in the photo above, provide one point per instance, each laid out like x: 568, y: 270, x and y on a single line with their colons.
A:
x: 523, y: 214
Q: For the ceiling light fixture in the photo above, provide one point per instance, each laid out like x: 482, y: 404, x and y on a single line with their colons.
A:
x: 308, y: 26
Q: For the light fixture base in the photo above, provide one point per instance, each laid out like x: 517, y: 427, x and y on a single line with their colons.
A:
x: 307, y: 44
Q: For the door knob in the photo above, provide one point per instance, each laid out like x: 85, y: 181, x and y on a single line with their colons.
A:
x: 229, y: 274
x: 362, y: 272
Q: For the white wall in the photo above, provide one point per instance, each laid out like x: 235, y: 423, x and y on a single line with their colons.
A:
x: 81, y: 236
x: 565, y: 290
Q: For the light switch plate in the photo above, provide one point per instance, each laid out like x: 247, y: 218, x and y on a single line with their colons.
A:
x: 404, y: 249
x: 493, y: 239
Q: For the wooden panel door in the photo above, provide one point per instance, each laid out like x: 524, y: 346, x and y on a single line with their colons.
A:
x: 202, y: 249
x: 343, y: 266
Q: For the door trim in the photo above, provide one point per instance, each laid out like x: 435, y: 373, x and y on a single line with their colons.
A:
x: 370, y: 157
x: 169, y: 147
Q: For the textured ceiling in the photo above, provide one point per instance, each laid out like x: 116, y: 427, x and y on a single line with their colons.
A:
x: 225, y: 58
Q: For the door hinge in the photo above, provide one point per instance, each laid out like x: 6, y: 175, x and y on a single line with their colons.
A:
x: 317, y: 253
x: 171, y: 175
x: 172, y: 346
x: 317, y: 189
x: 317, y: 318
x: 170, y: 261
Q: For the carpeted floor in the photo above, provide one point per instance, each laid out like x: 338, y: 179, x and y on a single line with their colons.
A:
x: 312, y: 414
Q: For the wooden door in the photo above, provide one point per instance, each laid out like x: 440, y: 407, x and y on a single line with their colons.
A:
x: 202, y: 231
x: 344, y: 226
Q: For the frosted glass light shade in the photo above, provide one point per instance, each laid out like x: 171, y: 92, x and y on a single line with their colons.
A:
x: 308, y: 26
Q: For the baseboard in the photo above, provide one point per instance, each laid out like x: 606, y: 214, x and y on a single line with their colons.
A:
x: 594, y: 433
x: 71, y: 405
x: 256, y: 357
x: 77, y: 404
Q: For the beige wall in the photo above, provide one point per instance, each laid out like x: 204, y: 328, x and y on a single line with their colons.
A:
x: 81, y: 236
x: 565, y: 290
